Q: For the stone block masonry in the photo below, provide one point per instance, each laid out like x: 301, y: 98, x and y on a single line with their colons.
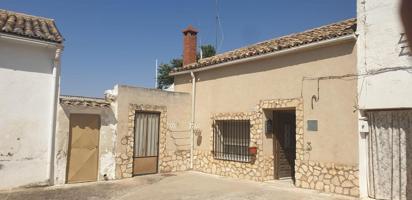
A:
x: 175, y: 161
x: 205, y: 162
x: 263, y: 167
x: 308, y: 174
x: 327, y: 177
x: 124, y: 160
x: 169, y: 161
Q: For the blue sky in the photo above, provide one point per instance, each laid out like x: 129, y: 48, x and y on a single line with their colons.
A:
x: 110, y: 42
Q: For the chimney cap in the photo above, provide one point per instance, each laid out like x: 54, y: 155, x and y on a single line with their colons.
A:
x: 190, y: 29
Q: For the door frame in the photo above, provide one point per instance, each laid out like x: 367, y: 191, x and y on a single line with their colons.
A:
x: 70, y: 144
x: 276, y: 143
x: 158, y: 141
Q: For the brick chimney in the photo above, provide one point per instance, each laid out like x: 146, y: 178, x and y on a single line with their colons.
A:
x: 189, y: 45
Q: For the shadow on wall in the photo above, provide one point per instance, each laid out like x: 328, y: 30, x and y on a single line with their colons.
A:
x: 27, y: 58
x: 280, y: 61
x: 29, y: 68
x: 107, y: 116
x: 198, y: 134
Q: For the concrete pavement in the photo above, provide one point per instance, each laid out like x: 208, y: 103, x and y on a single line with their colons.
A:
x: 183, y: 185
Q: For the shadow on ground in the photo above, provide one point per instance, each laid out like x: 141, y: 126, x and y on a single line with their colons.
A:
x: 184, y: 185
x: 88, y: 191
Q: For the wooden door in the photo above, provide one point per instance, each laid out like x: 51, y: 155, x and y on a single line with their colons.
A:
x: 285, y: 148
x: 146, y: 142
x: 83, y: 148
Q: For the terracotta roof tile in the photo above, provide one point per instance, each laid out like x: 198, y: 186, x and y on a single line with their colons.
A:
x: 29, y: 26
x: 83, y: 101
x: 327, y: 32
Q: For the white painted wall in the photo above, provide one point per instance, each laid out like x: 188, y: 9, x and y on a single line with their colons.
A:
x: 107, y: 141
x: 381, y: 45
x: 26, y: 90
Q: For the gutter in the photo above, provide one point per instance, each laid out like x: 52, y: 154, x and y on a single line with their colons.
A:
x: 192, y: 123
x: 351, y: 37
x: 55, y: 99
x: 35, y: 42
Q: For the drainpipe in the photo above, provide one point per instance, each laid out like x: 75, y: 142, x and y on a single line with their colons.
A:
x: 192, y: 123
x: 55, y: 97
x: 363, y: 155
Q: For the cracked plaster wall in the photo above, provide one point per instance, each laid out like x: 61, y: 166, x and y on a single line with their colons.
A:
x: 107, y: 141
x: 26, y: 90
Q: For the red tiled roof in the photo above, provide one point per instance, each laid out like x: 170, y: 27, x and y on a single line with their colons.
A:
x: 332, y: 31
x: 83, y: 101
x: 29, y: 26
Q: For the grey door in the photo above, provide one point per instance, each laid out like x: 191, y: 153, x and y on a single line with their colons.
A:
x: 146, y: 143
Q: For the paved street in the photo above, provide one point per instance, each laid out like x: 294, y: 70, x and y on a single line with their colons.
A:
x: 184, y: 185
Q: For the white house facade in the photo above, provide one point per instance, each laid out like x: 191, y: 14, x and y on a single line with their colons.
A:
x: 371, y: 53
x: 30, y: 49
x: 384, y: 100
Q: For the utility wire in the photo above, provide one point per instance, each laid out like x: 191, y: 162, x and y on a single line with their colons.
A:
x: 216, y: 22
x: 218, y: 45
x: 349, y: 77
x: 366, y: 74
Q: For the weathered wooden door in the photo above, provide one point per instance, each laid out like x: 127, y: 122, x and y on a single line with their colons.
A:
x: 83, y: 148
x: 146, y: 142
x: 285, y: 144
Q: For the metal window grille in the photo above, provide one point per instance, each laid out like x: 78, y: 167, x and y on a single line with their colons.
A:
x: 231, y: 140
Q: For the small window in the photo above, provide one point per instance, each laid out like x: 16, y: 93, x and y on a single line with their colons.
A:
x: 231, y: 140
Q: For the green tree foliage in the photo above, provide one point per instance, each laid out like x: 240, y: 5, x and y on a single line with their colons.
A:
x: 208, y: 50
x: 163, y: 78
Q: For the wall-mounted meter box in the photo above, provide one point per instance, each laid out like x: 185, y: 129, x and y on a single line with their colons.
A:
x: 363, y: 126
x: 312, y: 125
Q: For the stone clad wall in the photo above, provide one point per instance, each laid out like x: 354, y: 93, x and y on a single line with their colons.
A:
x: 308, y: 174
x: 327, y: 177
x: 125, y: 159
x: 268, y: 167
x: 297, y: 104
x: 169, y: 161
x: 173, y: 161
x: 263, y: 167
x: 205, y: 162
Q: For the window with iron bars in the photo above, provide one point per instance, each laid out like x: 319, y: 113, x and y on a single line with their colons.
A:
x: 231, y: 140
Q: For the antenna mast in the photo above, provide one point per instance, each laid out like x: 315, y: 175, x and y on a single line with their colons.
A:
x: 200, y: 47
x: 156, y: 75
